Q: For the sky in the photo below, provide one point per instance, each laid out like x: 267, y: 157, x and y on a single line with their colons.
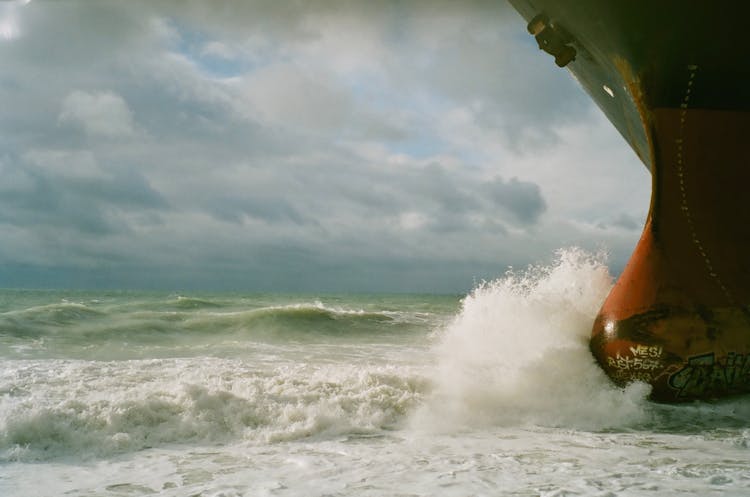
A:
x: 297, y: 146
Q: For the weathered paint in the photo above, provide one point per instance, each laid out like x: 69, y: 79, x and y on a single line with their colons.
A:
x: 678, y: 317
x: 687, y: 283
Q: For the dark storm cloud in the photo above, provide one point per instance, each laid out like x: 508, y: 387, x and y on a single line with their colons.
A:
x: 270, y: 209
x: 69, y: 191
x: 438, y: 186
x: 626, y: 221
x: 522, y: 199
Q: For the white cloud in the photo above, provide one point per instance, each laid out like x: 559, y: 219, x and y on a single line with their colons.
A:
x: 10, y: 28
x: 293, y: 97
x: 412, y: 220
x: 65, y: 163
x: 217, y: 49
x: 103, y: 113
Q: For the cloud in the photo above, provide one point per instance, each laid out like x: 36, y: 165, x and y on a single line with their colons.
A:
x: 626, y: 222
x: 522, y: 199
x: 58, y: 191
x: 290, y: 96
x: 99, y: 113
x: 321, y: 146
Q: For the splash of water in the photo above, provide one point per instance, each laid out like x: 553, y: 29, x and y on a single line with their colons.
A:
x: 517, y: 353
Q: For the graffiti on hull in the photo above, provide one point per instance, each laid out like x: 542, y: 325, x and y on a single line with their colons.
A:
x: 639, y: 364
x: 704, y: 374
x: 641, y: 357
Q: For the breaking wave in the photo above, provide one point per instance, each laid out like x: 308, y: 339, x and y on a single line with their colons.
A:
x: 182, y: 302
x: 42, y: 319
x: 303, y: 320
x: 517, y: 353
x: 133, y: 405
x: 67, y: 326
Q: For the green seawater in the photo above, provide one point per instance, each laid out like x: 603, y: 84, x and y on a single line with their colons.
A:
x: 111, y: 325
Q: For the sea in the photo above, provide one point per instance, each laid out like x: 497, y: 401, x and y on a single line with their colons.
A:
x: 490, y: 393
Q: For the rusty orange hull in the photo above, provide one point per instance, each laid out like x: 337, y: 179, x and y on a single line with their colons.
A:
x: 670, y: 80
x: 677, y: 317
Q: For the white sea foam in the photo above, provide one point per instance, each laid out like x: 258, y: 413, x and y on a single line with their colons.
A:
x: 93, y: 409
x: 518, y: 354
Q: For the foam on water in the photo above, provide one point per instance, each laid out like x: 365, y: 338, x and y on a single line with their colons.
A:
x: 81, y: 409
x: 500, y: 397
x: 517, y: 353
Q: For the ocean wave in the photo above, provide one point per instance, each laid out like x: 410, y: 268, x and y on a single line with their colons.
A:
x: 43, y: 319
x: 318, y: 310
x: 313, y: 318
x: 154, y: 403
x: 182, y: 302
x: 518, y: 353
x: 136, y: 330
x: 185, y: 317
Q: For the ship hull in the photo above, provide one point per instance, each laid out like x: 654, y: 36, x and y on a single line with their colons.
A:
x: 671, y: 77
